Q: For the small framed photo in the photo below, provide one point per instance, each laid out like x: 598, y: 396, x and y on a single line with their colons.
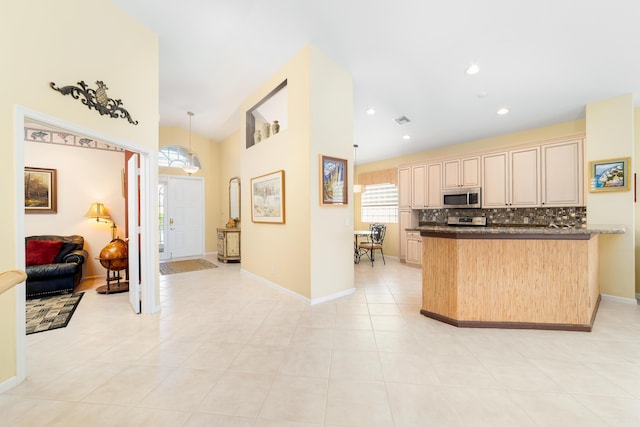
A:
x: 40, y: 191
x: 267, y: 198
x: 609, y: 175
x: 334, y: 189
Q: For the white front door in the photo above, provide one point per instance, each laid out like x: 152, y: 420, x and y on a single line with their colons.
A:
x: 185, y: 208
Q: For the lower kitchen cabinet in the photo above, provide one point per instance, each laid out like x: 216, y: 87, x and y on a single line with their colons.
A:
x: 229, y: 244
x: 414, y: 248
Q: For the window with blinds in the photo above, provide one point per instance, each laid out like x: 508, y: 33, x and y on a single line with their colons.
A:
x: 379, y: 203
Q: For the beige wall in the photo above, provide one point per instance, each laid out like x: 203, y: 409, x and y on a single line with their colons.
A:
x: 208, y: 153
x: 63, y: 42
x: 518, y: 138
x: 331, y: 135
x: 84, y: 176
x: 230, y: 150
x: 284, y: 253
x: 610, y: 135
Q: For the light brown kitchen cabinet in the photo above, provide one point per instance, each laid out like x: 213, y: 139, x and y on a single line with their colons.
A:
x: 419, y: 186
x: 511, y: 178
x: 404, y: 187
x: 228, y: 244
x: 434, y: 185
x: 562, y: 174
x: 406, y: 219
x: 463, y: 172
x: 414, y: 248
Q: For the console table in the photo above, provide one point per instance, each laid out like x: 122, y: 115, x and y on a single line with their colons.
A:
x: 229, y: 244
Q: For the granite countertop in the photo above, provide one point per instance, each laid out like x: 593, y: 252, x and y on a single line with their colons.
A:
x: 523, y: 230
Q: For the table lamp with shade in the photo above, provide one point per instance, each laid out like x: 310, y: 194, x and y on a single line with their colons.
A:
x: 101, y: 214
x: 114, y: 256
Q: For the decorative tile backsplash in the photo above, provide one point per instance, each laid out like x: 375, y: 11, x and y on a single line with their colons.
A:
x: 573, y: 216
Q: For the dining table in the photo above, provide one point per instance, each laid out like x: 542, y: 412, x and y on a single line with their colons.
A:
x: 356, y: 250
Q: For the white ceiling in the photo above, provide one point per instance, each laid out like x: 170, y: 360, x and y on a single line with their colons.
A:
x: 544, y: 60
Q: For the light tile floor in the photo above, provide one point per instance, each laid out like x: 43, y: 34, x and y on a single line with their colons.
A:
x: 227, y: 350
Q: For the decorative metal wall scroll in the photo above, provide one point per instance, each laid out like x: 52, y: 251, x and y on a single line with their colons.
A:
x: 96, y: 99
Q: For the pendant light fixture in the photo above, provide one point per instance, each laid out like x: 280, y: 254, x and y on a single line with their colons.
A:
x: 190, y: 167
x: 356, y: 187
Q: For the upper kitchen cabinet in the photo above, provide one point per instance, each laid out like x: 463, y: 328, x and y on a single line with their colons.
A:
x: 495, y: 187
x: 434, y: 185
x: 511, y: 179
x: 562, y: 174
x: 404, y: 187
x: 463, y: 172
x: 419, y: 186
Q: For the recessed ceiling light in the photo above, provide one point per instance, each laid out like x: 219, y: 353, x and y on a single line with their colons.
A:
x: 472, y: 69
x: 406, y: 137
x: 502, y: 111
x: 370, y: 111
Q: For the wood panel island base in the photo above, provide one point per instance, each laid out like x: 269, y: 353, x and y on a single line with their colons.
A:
x: 520, y: 278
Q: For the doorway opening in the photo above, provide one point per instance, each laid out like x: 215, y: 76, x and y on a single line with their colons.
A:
x: 145, y: 233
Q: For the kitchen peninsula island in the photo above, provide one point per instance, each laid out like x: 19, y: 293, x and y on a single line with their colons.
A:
x: 512, y: 277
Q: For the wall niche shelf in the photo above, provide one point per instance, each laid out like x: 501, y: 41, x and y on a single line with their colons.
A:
x: 267, y: 117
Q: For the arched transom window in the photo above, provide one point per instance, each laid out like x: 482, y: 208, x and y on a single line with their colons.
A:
x: 175, y: 156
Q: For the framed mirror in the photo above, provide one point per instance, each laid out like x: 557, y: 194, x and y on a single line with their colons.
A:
x: 234, y: 198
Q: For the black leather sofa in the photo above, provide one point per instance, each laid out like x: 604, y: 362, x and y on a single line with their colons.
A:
x: 63, y: 274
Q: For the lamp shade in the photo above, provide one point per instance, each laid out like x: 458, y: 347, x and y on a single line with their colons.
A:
x: 98, y: 211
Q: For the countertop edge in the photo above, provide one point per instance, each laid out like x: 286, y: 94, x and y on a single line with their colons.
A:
x: 590, y: 229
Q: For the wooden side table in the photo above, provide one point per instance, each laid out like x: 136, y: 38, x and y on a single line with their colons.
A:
x: 112, y: 276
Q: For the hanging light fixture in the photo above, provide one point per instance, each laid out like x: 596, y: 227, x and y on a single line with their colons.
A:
x: 190, y: 167
x: 356, y: 187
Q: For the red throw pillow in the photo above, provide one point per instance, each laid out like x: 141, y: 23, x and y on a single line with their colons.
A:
x: 42, y: 251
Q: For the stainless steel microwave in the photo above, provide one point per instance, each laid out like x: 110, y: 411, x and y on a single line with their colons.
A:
x: 464, y: 197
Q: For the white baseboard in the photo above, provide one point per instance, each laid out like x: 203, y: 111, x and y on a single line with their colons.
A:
x: 618, y: 299
x: 333, y: 296
x: 9, y: 384
x: 296, y: 295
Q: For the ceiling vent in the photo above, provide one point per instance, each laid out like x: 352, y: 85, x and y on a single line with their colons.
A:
x: 402, y: 120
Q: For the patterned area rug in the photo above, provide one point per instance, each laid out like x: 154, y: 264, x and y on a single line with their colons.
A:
x: 50, y: 312
x: 173, y: 267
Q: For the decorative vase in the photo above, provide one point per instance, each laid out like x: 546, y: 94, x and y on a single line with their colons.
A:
x: 275, y: 128
x: 265, y: 130
x: 257, y: 137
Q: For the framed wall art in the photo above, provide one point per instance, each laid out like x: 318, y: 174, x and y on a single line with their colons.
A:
x: 267, y: 198
x: 609, y: 175
x: 333, y: 181
x: 40, y: 191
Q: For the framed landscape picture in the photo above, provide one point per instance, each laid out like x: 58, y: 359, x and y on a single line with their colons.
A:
x: 609, y: 175
x: 267, y: 198
x: 40, y: 192
x: 333, y: 181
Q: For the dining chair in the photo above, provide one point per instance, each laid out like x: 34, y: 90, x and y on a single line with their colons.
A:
x: 374, y: 242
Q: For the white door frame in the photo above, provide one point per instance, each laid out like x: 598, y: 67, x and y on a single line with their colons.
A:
x: 148, y: 244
